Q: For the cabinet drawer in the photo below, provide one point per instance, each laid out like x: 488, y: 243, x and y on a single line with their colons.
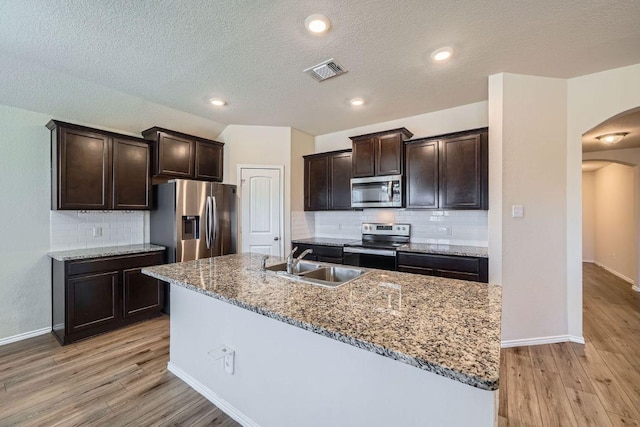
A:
x: 458, y: 275
x: 94, y: 265
x: 417, y: 270
x: 440, y: 262
x: 330, y: 259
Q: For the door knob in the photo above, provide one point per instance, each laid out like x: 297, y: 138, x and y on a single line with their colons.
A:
x: 276, y: 238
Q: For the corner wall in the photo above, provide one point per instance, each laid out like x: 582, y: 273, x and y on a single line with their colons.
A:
x: 588, y: 216
x: 531, y: 118
x: 615, y: 226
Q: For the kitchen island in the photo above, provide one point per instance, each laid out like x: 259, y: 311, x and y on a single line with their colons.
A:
x: 387, y: 348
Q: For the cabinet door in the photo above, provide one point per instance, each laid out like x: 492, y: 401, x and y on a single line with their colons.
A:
x: 316, y: 183
x: 340, y: 181
x: 84, y: 170
x: 141, y: 293
x: 463, y: 177
x: 175, y: 156
x: 209, y: 161
x: 363, y: 162
x: 93, y: 301
x: 388, y: 153
x: 422, y: 174
x: 131, y: 174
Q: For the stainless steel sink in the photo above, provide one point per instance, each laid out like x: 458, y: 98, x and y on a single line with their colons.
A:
x: 317, y: 274
x: 301, y: 267
x: 334, y: 274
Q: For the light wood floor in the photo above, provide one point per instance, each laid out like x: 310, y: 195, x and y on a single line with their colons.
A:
x: 115, y: 379
x: 597, y: 384
x: 120, y: 378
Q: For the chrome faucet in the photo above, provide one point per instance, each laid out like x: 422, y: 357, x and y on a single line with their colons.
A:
x: 263, y: 263
x: 292, y: 262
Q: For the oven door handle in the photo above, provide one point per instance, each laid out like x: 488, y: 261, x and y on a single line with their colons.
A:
x: 367, y: 251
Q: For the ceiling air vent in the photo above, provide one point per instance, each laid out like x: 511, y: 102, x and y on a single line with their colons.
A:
x: 325, y: 70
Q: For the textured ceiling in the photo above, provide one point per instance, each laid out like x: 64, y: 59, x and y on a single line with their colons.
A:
x: 628, y: 121
x: 252, y: 53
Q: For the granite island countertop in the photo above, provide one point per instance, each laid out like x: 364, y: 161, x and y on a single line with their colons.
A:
x: 76, y: 254
x: 445, y: 326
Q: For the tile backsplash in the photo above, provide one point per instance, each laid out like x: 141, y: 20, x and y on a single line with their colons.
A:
x: 467, y: 228
x: 75, y: 229
x: 302, y: 225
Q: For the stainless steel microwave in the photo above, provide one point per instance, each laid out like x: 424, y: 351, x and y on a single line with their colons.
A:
x: 377, y: 192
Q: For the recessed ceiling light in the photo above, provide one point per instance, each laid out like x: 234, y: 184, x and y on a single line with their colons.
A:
x: 442, y: 54
x: 357, y: 102
x: 612, y: 138
x: 317, y: 23
x: 218, y: 102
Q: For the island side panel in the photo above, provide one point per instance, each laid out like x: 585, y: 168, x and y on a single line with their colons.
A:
x: 286, y: 376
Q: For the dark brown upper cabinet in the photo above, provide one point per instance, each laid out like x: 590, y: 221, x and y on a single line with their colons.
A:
x: 448, y: 171
x: 98, y: 170
x: 178, y: 155
x: 464, y: 172
x: 327, y: 181
x: 378, y: 154
x: 422, y: 174
x: 131, y: 174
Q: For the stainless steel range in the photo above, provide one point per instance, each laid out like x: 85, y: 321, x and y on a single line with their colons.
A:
x: 378, y: 246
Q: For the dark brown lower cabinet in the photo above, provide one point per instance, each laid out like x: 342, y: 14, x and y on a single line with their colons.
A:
x: 450, y: 266
x: 92, y: 296
x: 321, y: 253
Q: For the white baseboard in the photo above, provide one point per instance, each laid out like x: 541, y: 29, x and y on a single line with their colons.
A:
x: 24, y: 336
x: 615, y: 273
x: 635, y: 288
x: 205, y: 391
x: 588, y: 260
x: 542, y: 340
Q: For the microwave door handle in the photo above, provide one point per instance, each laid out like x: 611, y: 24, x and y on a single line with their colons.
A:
x: 390, y: 191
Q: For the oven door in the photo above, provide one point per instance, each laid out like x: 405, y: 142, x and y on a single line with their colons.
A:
x: 377, y: 192
x: 382, y: 259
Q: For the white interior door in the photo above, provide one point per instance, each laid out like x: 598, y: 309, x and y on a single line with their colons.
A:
x: 261, y: 207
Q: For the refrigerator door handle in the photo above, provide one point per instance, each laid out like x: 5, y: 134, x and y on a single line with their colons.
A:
x: 214, y: 222
x: 207, y: 222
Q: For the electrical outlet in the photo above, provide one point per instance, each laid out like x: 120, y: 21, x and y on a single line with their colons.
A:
x: 444, y: 230
x: 227, y: 355
x: 97, y: 231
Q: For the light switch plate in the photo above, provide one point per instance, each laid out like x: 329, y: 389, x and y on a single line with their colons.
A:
x: 517, y: 211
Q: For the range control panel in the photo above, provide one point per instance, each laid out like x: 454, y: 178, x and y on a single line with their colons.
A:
x: 386, y: 229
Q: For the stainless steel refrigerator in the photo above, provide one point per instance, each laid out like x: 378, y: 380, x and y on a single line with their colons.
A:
x: 194, y: 220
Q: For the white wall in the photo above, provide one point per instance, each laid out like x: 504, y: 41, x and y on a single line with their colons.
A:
x: 616, y: 246
x: 532, y: 144
x: 588, y: 216
x: 591, y: 100
x: 465, y: 117
x: 264, y: 146
x: 25, y: 269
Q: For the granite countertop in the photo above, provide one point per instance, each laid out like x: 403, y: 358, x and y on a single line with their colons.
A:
x: 324, y: 241
x: 430, y: 248
x: 87, y: 253
x: 445, y: 326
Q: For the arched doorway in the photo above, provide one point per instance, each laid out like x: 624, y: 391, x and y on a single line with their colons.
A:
x: 621, y: 162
